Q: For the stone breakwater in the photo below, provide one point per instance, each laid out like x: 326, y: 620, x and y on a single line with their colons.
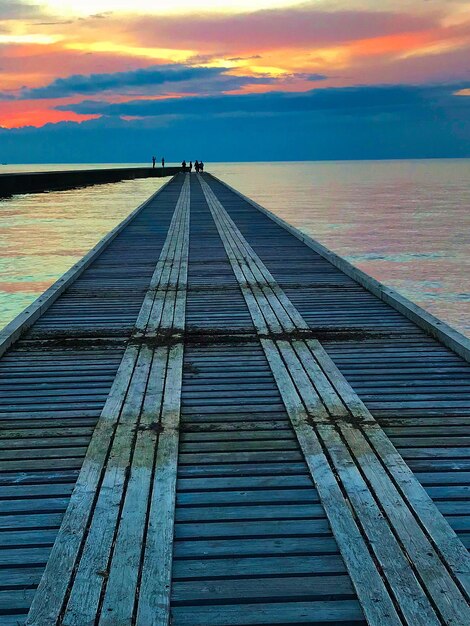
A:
x: 34, y: 182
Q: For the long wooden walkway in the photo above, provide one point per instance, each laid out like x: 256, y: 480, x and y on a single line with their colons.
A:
x: 207, y: 423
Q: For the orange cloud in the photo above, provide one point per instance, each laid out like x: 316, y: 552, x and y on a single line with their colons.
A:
x: 390, y: 44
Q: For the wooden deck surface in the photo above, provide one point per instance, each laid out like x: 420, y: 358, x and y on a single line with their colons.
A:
x: 214, y: 426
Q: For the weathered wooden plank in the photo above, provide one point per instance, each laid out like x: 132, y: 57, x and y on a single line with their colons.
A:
x: 85, y: 592
x: 22, y: 577
x: 273, y: 613
x: 257, y: 511
x: 29, y: 556
x: 272, y: 496
x: 153, y: 606
x: 265, y: 565
x: 250, y: 529
x: 297, y: 588
x: 237, y: 482
x: 123, y: 572
x: 160, y: 414
x: 255, y: 547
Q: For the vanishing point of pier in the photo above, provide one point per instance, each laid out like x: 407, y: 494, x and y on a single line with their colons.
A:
x: 212, y: 420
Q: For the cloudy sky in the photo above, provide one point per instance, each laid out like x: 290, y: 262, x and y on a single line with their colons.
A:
x: 112, y: 80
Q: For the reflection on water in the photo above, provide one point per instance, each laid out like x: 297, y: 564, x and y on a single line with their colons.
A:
x: 42, y: 235
x: 407, y: 223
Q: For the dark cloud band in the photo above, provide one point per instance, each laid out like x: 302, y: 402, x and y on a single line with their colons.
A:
x: 361, y: 99
x: 155, y: 80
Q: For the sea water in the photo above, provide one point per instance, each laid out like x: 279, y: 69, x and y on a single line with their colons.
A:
x: 406, y: 223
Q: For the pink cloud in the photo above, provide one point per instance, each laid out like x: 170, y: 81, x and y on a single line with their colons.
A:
x: 265, y: 30
x: 447, y: 66
x: 45, y: 63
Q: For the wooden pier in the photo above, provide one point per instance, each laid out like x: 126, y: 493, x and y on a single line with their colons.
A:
x: 212, y: 420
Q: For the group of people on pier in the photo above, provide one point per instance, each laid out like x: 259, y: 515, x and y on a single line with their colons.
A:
x: 154, y: 161
x: 198, y: 166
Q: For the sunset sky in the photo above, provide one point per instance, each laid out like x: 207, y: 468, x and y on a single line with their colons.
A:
x: 242, y: 79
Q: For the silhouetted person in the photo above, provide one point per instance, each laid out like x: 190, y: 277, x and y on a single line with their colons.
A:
x: 190, y: 166
x: 196, y: 166
x: 201, y: 166
x: 163, y: 161
x: 183, y: 165
x: 154, y: 160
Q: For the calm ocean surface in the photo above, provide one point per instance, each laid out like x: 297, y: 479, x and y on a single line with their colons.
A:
x: 407, y: 223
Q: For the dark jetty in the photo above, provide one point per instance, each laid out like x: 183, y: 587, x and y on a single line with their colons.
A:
x: 35, y: 182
